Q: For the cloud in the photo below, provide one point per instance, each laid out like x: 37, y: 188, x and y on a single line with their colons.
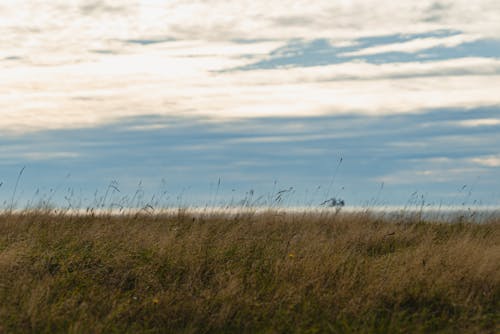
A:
x: 254, y: 88
x: 34, y: 156
x: 146, y: 41
x: 156, y: 41
x: 414, y: 45
x: 94, y: 7
x: 489, y: 161
x: 71, y: 29
x: 424, y: 176
x: 480, y: 122
x: 271, y: 19
x: 185, y: 78
x: 437, y: 10
x: 427, y: 150
x: 390, y: 49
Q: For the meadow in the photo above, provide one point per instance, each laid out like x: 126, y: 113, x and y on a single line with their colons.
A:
x: 247, y: 271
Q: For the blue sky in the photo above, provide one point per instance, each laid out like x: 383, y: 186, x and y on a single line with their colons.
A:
x: 210, y: 102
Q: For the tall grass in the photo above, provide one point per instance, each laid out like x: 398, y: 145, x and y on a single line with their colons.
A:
x: 248, y: 271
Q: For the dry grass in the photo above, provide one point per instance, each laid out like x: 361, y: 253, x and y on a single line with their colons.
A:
x: 251, y: 272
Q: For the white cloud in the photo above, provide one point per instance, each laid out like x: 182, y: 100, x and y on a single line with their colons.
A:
x: 67, y: 30
x: 442, y: 169
x: 113, y: 87
x: 75, y: 68
x: 430, y: 174
x: 414, y: 45
x: 49, y: 155
x: 479, y: 122
x: 27, y: 152
x: 489, y: 161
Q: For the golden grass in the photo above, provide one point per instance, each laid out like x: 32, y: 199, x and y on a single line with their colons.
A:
x: 249, y: 272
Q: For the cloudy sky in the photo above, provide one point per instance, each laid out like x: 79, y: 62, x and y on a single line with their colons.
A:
x: 208, y: 101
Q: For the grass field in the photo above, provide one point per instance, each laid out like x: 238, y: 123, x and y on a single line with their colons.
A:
x: 267, y: 272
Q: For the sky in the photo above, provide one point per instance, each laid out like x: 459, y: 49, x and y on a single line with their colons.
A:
x: 211, y: 102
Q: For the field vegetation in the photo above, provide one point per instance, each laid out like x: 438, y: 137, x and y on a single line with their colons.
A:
x: 271, y: 271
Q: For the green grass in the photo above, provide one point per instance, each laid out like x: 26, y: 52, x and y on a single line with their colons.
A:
x: 270, y: 272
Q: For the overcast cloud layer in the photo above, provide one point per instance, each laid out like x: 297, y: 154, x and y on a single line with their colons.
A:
x: 82, y: 80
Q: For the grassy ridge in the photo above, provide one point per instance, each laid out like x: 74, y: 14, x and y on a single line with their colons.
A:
x: 249, y: 272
